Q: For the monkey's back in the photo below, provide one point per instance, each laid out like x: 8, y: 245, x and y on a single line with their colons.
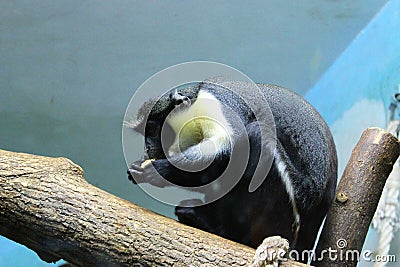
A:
x: 304, y: 135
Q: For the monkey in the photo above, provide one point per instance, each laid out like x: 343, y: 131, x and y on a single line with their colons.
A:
x: 196, y: 126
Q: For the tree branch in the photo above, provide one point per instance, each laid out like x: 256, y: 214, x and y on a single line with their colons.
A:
x: 46, y: 205
x: 357, y: 197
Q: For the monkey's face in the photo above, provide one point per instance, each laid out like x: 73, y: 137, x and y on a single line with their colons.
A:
x: 158, y: 133
x: 158, y: 138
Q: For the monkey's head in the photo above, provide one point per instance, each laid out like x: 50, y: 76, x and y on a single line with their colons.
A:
x: 151, y: 119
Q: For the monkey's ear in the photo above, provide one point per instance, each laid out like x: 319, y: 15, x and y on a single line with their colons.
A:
x: 135, y: 124
x: 178, y: 98
x: 138, y: 123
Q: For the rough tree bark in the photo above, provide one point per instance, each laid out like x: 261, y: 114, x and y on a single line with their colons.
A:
x: 46, y: 205
x: 357, y: 197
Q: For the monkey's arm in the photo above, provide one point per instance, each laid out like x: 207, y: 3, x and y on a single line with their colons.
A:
x: 192, y: 167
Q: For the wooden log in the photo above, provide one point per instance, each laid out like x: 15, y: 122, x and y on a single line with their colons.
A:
x: 357, y: 197
x: 46, y: 205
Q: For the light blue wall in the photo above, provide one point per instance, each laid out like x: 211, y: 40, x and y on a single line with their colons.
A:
x: 368, y: 68
x: 356, y: 90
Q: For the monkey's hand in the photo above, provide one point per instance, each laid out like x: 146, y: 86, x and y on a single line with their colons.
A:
x: 147, y: 171
x: 137, y: 168
x: 164, y: 172
x: 135, y: 171
x: 272, y: 251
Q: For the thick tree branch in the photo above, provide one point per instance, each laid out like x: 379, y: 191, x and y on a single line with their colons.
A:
x: 46, y: 204
x: 357, y: 197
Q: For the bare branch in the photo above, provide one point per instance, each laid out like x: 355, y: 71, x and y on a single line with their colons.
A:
x: 357, y: 197
x: 46, y: 204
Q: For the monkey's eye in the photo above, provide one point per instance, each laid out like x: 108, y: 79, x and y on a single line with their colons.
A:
x: 152, y: 129
x: 178, y: 98
x: 184, y: 99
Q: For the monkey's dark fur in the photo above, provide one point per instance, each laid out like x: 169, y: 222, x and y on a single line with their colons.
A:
x: 304, y: 161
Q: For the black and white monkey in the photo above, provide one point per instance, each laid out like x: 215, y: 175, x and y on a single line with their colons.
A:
x: 199, y: 127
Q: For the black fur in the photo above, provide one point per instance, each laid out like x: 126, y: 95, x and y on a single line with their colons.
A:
x: 304, y: 143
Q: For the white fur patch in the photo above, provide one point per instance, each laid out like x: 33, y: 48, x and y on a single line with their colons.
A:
x: 289, y: 189
x: 202, y: 123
